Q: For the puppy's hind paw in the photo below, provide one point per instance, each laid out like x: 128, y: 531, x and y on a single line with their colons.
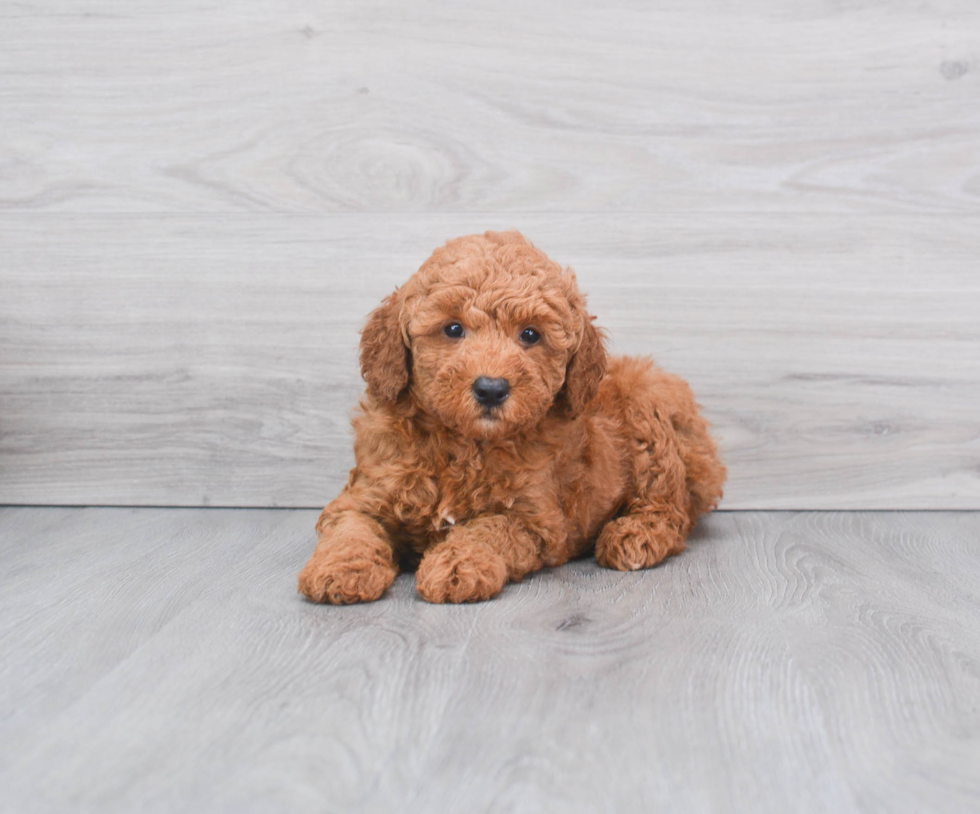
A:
x: 454, y: 572
x: 638, y: 541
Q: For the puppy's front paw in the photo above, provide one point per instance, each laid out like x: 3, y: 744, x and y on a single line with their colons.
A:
x: 344, y: 574
x: 460, y: 572
x: 638, y: 541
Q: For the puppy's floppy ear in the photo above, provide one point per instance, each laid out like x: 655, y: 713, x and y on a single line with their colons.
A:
x: 585, y: 369
x: 384, y: 354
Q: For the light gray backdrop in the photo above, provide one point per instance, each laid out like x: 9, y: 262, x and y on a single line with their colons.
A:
x: 199, y: 206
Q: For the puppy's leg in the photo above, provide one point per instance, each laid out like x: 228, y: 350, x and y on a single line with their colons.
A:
x: 353, y: 560
x: 656, y: 519
x: 477, y: 559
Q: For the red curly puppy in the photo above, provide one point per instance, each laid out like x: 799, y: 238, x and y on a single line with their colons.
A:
x: 496, y: 438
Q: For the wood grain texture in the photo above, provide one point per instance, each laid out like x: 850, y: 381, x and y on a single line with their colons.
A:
x: 159, y: 660
x: 200, y: 203
x: 188, y: 361
x: 313, y: 107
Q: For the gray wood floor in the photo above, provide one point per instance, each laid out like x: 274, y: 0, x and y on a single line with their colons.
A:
x: 160, y: 660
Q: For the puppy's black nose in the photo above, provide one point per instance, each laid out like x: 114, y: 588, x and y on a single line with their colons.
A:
x: 491, y: 392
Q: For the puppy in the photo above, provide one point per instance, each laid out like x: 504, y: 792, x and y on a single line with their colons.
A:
x: 496, y: 438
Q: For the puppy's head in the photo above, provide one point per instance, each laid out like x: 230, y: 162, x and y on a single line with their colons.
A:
x: 488, y: 336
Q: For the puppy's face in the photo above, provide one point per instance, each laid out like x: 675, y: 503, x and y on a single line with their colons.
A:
x: 490, y: 330
x: 487, y: 362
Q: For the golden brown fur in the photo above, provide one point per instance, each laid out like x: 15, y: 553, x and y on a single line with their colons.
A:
x: 584, y: 452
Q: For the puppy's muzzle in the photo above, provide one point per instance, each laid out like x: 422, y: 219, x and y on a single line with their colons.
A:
x: 491, y: 392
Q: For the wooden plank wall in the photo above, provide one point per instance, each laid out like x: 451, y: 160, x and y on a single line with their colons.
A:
x: 200, y: 204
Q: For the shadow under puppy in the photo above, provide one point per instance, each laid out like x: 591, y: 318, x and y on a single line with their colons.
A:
x: 496, y: 438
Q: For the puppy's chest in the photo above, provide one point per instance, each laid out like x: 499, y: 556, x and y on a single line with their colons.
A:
x: 477, y: 484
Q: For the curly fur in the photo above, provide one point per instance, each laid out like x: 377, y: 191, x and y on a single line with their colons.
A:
x: 586, y: 452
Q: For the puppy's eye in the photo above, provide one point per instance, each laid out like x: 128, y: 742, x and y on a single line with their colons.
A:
x: 529, y: 336
x: 453, y: 330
